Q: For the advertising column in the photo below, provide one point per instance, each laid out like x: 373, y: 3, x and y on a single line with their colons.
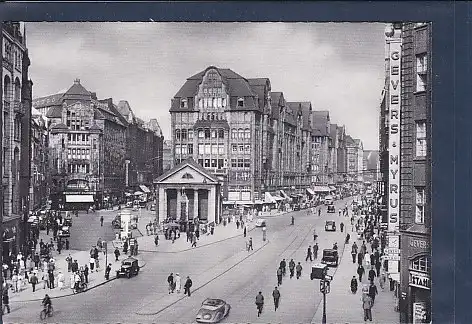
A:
x: 393, y: 44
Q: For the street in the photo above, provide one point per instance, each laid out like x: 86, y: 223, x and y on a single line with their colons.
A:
x: 145, y: 298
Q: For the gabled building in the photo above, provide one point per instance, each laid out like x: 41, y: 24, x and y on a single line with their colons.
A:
x: 341, y: 155
x: 333, y: 153
x: 320, y: 148
x: 39, y: 190
x: 355, y: 160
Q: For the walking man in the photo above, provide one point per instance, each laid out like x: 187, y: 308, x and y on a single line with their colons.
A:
x: 170, y: 281
x: 259, y: 303
x: 373, y: 291
x: 34, y: 281
x: 371, y: 275
x: 367, y: 304
x: 187, y: 285
x: 291, y: 266
x: 6, y: 301
x: 309, y: 255
x: 315, y: 251
x: 299, y: 270
x: 250, y: 245
x: 279, y: 276
x: 117, y: 253
x: 360, y: 272
x: 276, y: 295
x: 354, y: 252
x: 107, y: 271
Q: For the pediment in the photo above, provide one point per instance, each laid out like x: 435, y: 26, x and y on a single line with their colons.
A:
x: 187, y: 174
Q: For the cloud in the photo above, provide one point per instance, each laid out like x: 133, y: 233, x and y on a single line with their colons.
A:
x: 339, y: 67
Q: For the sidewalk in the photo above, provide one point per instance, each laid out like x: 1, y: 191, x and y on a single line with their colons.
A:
x: 221, y: 233
x: 344, y: 307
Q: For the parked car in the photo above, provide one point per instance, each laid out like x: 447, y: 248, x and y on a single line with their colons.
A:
x: 329, y: 200
x: 129, y: 267
x: 331, y: 209
x: 330, y: 226
x: 212, y: 311
x: 260, y: 222
x: 330, y: 257
x: 64, y: 231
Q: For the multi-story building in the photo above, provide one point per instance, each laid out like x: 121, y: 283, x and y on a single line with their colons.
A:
x: 370, y: 163
x: 355, y: 160
x: 86, y: 146
x: 405, y: 151
x: 341, y: 155
x: 333, y: 146
x: 167, y: 158
x: 16, y: 124
x: 320, y: 148
x: 39, y: 191
x: 144, y: 149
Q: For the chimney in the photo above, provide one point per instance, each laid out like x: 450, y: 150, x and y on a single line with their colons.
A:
x: 93, y: 94
x: 77, y: 81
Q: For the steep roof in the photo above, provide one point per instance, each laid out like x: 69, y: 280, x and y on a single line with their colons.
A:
x: 306, y: 109
x: 190, y: 162
x: 77, y: 90
x: 350, y: 141
x: 276, y: 99
x: 54, y: 112
x: 52, y: 100
x: 321, y: 121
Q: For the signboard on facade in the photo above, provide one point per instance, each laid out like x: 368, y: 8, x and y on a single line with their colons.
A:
x: 420, y: 280
x: 394, y: 135
x: 419, y: 313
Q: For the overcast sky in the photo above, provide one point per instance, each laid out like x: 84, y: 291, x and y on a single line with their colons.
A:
x: 339, y: 67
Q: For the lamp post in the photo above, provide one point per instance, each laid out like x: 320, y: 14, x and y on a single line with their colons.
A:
x: 319, y: 271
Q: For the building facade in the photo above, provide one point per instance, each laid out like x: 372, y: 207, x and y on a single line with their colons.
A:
x: 355, y: 160
x: 16, y: 125
x: 370, y: 162
x: 320, y: 148
x: 341, y: 156
x: 39, y: 190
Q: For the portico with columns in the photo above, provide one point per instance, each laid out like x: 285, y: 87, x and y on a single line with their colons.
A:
x: 188, y: 193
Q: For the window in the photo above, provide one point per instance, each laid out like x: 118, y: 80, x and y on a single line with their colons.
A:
x: 190, y: 134
x: 214, y: 149
x: 207, y: 163
x: 200, y: 103
x: 420, y: 200
x: 184, y: 149
x: 205, y: 102
x: 221, y: 133
x: 207, y: 149
x: 223, y: 102
x: 207, y: 133
x: 241, y: 148
x: 219, y: 102
x: 221, y: 149
x: 240, y: 102
x: 240, y: 163
x: 422, y: 263
x: 247, y: 133
x: 234, y: 134
x: 213, y: 163
x: 184, y: 134
x: 213, y: 133
x: 234, y: 163
x: 69, y: 153
x: 234, y: 148
x: 177, y: 134
x: 421, y: 63
x: 201, y: 133
x: 240, y: 133
x: 420, y: 138
x: 247, y: 163
x: 215, y: 103
x: 190, y: 148
x: 183, y: 103
x: 247, y: 149
x: 220, y: 163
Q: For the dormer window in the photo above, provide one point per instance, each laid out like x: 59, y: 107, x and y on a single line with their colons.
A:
x: 240, y: 102
x: 183, y: 103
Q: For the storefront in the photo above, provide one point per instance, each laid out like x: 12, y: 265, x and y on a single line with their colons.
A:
x: 415, y: 304
x: 187, y: 193
x: 11, y: 235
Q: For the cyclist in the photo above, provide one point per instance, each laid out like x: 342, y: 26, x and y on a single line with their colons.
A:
x: 259, y: 303
x: 47, y: 304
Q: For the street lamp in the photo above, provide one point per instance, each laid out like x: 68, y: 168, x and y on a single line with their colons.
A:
x: 319, y: 271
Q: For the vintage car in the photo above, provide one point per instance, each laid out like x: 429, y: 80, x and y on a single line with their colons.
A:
x: 64, y: 231
x: 129, y: 267
x: 330, y: 257
x: 330, y: 226
x: 331, y: 209
x: 153, y: 207
x: 212, y: 311
x: 261, y: 222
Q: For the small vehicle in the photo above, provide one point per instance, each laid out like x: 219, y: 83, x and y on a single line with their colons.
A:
x: 330, y: 257
x: 329, y: 200
x: 153, y: 207
x: 81, y: 287
x: 212, y: 311
x: 129, y: 267
x: 64, y: 231
x: 45, y: 312
x: 330, y: 226
x: 260, y: 222
x: 331, y: 209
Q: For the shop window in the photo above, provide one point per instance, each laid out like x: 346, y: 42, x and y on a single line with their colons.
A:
x: 422, y: 263
x: 420, y: 138
x: 420, y: 202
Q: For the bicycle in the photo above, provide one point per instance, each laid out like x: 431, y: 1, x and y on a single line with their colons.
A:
x: 45, y: 312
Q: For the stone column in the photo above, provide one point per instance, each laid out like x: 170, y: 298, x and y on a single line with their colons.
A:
x: 195, y: 204
x: 179, y: 199
x: 211, y: 205
x: 165, y: 207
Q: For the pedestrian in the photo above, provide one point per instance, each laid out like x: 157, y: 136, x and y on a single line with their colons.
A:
x: 367, y: 307
x: 45, y: 280
x: 36, y: 260
x: 72, y: 281
x: 245, y: 230
x: 276, y: 295
x: 51, y: 279
x: 309, y: 254
x: 60, y: 280
x: 360, y: 257
x: 315, y: 235
x: 92, y: 263
x: 156, y: 240
x: 279, y: 276
x: 34, y: 281
x: 291, y: 266
x: 74, y: 266
x: 342, y: 226
x: 14, y: 280
x: 212, y: 229
x: 107, y: 271
x: 101, y: 220
x: 367, y: 259
x: 125, y: 247
x: 188, y: 284
x: 371, y: 275
x: 67, y: 244
x: 86, y: 273
x: 360, y: 272
x: 250, y: 245
x: 372, y: 259
x: 373, y: 291
x: 194, y: 241
x: 69, y: 263
x: 315, y: 251
x: 259, y: 303
x: 6, y: 302
x: 59, y: 246
x: 237, y: 224
x: 170, y: 281
x: 382, y: 280
x: 353, y: 284
x: 354, y: 252
x: 283, y: 266
x: 299, y: 270
x: 97, y: 265
x: 178, y: 283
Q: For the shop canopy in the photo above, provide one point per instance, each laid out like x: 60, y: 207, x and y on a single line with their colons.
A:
x: 228, y: 202
x: 278, y: 198
x: 284, y: 194
x: 269, y: 199
x: 144, y: 189
x: 79, y: 199
x: 310, y: 191
x: 321, y: 189
x: 138, y: 193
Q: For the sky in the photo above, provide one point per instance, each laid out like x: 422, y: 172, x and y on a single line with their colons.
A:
x: 339, y: 67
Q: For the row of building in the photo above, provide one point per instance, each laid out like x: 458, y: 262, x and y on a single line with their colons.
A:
x: 405, y: 165
x: 256, y: 142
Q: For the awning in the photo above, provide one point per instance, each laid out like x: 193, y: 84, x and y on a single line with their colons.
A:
x: 258, y: 202
x: 321, y: 189
x: 228, y: 202
x: 331, y: 188
x: 269, y: 199
x: 311, y: 192
x: 144, y: 189
x: 284, y: 194
x: 244, y: 202
x: 79, y: 199
x: 278, y: 198
x: 138, y: 193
